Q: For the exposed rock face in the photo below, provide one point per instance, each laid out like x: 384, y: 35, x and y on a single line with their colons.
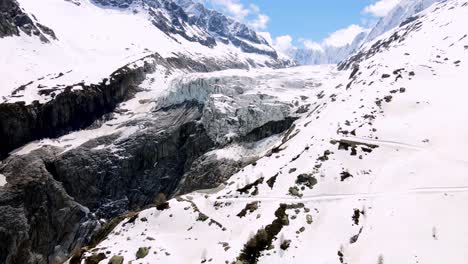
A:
x: 39, y: 221
x: 134, y: 171
x: 269, y: 129
x: 13, y: 19
x: 227, y: 29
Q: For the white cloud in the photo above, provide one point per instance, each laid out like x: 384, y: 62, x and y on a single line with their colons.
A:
x: 255, y: 8
x: 343, y: 36
x: 338, y: 38
x: 284, y: 43
x: 311, y: 45
x: 381, y: 7
x: 260, y: 23
x: 250, y: 14
x: 233, y: 8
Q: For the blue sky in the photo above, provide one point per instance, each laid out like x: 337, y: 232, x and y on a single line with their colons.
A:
x: 310, y: 19
x: 306, y: 22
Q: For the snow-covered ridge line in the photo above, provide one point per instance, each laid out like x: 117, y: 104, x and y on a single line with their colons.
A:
x: 194, y: 22
x: 392, y: 37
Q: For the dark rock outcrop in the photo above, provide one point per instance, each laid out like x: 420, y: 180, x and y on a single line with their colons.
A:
x: 13, y: 19
x: 39, y: 221
x: 269, y: 129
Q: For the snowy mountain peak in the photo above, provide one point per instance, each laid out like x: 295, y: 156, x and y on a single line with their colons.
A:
x: 194, y: 22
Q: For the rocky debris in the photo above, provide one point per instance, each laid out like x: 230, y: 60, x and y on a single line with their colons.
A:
x: 285, y: 244
x: 249, y: 208
x: 13, y: 19
x: 356, y: 215
x: 345, y: 175
x: 160, y: 202
x: 348, y: 144
x: 309, y: 219
x: 116, y: 260
x: 307, y: 180
x: 294, y: 191
x: 246, y: 189
x: 202, y: 217
x: 115, y: 3
x: 271, y: 181
x: 95, y: 258
x: 355, y: 238
x: 107, y: 228
x: 264, y: 237
x: 142, y: 252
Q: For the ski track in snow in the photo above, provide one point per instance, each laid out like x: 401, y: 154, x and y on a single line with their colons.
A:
x: 355, y: 196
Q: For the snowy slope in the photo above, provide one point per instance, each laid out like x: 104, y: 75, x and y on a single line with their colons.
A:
x: 373, y: 172
x: 94, y: 40
x: 399, y: 14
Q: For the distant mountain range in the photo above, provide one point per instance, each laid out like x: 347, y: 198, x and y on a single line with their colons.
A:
x: 333, y: 54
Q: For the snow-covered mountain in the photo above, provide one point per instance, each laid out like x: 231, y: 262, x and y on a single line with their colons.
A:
x: 76, y: 71
x: 56, y: 46
x: 405, y: 10
x: 141, y: 132
x: 91, y: 39
x: 372, y: 170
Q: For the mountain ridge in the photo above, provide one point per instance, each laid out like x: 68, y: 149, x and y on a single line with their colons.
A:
x: 333, y: 55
